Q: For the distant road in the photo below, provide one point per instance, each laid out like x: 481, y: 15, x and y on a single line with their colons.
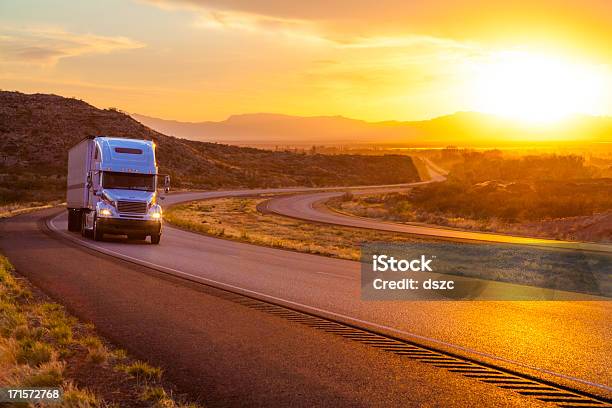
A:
x: 311, y: 207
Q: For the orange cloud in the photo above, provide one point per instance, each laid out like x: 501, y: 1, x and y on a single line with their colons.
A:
x: 578, y: 24
x: 45, y: 46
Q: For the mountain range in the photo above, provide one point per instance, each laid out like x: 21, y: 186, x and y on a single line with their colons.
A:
x: 461, y: 129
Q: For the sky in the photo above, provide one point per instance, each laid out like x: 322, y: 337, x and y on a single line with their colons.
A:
x: 195, y: 60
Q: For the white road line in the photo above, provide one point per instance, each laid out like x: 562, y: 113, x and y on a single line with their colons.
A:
x: 316, y: 310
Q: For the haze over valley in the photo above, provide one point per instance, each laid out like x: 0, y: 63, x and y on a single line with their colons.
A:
x: 460, y: 129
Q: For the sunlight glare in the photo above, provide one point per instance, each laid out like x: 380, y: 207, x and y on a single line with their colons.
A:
x: 537, y: 88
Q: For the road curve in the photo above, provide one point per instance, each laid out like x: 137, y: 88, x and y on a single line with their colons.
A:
x: 534, y: 336
x: 311, y: 207
x: 384, y: 316
x: 222, y: 353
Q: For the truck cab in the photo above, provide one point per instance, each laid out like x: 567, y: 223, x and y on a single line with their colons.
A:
x: 112, y: 188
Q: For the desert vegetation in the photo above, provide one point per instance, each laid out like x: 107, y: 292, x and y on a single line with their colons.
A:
x: 41, y: 345
x: 16, y: 208
x: 239, y: 219
x: 544, y: 195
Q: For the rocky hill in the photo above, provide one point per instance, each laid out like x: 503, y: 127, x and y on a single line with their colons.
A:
x: 37, y: 130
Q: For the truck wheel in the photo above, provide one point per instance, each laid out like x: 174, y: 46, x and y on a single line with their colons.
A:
x: 155, y: 238
x: 97, y: 233
x: 74, y: 220
x: 83, y: 224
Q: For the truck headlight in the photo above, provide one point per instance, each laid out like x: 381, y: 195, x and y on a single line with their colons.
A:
x: 155, y: 212
x: 105, y: 212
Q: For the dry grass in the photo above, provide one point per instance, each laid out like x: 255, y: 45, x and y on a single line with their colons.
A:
x: 42, y: 346
x: 238, y: 219
x: 80, y: 398
x: 141, y: 370
x: 12, y: 209
x: 595, y: 228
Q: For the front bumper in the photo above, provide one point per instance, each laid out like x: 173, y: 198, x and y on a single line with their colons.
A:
x: 121, y: 226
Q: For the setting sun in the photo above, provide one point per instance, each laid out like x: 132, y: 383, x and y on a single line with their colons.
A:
x: 537, y: 88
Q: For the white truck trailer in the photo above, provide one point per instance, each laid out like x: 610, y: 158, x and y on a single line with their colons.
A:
x: 112, y: 188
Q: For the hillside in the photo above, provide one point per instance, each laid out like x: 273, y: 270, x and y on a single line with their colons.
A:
x: 37, y: 130
x: 266, y: 127
x: 461, y: 129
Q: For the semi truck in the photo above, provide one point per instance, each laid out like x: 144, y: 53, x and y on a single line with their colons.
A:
x: 113, y: 189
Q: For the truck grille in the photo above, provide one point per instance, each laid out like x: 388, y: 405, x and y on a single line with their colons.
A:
x: 132, y: 207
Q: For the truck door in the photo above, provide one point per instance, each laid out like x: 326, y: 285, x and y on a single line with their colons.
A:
x: 95, y: 179
x: 94, y: 183
x: 96, y: 186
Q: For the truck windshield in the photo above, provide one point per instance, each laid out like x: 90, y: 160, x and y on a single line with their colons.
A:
x: 128, y: 181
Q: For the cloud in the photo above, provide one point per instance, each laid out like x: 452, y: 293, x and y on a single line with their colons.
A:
x: 220, y: 19
x: 46, y: 46
x: 322, y: 22
x: 313, y: 20
x: 571, y: 24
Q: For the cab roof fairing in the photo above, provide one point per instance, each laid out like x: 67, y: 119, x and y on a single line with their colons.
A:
x: 112, y: 160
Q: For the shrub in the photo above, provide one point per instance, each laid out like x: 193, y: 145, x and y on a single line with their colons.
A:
x: 91, y: 342
x: 62, y: 333
x: 79, y: 398
x: 49, y: 375
x: 153, y: 394
x: 347, y: 196
x: 97, y: 355
x: 10, y: 317
x: 34, y: 353
x: 25, y: 332
x: 140, y: 369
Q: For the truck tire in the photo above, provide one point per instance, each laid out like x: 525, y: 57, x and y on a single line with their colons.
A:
x: 74, y: 220
x: 155, y: 238
x: 84, y: 231
x: 97, y: 233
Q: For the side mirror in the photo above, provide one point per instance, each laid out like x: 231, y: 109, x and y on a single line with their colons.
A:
x: 166, y: 183
x: 89, y: 183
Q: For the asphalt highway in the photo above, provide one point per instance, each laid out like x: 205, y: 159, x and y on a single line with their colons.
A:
x: 228, y: 354
x: 311, y: 207
x: 569, y: 340
x: 221, y: 353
